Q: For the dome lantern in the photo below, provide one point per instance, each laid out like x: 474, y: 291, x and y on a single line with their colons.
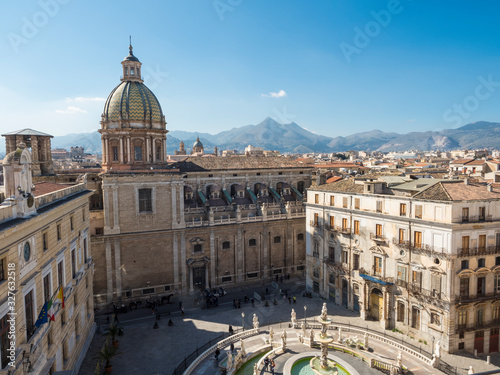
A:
x: 131, y: 66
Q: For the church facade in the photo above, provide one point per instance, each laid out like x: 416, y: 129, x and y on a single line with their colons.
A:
x: 201, y: 222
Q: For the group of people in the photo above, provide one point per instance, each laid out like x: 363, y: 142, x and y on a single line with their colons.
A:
x: 269, y: 363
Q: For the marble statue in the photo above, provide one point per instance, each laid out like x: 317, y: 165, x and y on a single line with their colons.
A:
x: 271, y: 335
x: 294, y: 317
x: 437, y: 349
x: 365, y: 341
x: 303, y: 327
x: 311, y: 338
x: 324, y: 312
x: 283, y: 341
x: 229, y: 362
x: 255, y: 321
x: 242, y: 350
x: 399, y: 362
x: 340, y: 334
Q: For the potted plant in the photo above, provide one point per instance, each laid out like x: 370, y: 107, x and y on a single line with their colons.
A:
x: 113, y: 331
x: 107, y: 352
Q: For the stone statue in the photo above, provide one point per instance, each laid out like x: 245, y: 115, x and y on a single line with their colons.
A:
x: 399, y: 362
x: 229, y: 362
x: 340, y: 334
x: 324, y: 312
x: 283, y: 340
x: 255, y: 369
x: 365, y: 341
x: 311, y: 338
x: 284, y: 333
x: 271, y: 335
x: 303, y: 327
x: 437, y: 349
x: 294, y: 317
x: 471, y: 370
x: 242, y: 350
x: 255, y: 321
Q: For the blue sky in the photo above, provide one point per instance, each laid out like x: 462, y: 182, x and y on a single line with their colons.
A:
x: 333, y: 67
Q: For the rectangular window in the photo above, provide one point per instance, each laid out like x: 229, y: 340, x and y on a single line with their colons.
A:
x: 197, y: 248
x: 496, y: 313
x: 29, y: 314
x: 59, y: 235
x: 418, y: 211
x: 332, y: 200
x: 480, y: 262
x: 60, y: 273
x: 416, y: 279
x: 252, y: 242
x: 481, y: 286
x: 415, y: 317
x: 402, y: 209
x: 345, y: 256
x: 356, y: 203
x: 316, y: 272
x: 71, y: 223
x: 85, y: 253
x: 226, y: 245
x: 465, y: 243
x: 226, y: 279
x: 497, y: 284
x: 482, y: 213
x: 379, y: 206
x: 45, y: 240
x: 4, y: 341
x: 73, y: 264
x: 145, y: 200
x: 115, y: 153
x: 402, y: 273
x: 465, y: 214
x: 435, y: 319
x: 331, y: 252
x: 436, y: 285
x: 316, y: 220
x: 355, y: 262
x: 3, y: 271
x: 344, y: 224
x: 277, y: 239
x: 345, y: 202
x: 480, y: 317
x: 356, y: 226
x: 482, y: 243
x: 401, y: 312
x: 464, y: 264
x: 332, y: 221
x: 316, y: 198
x: 138, y: 153
x: 401, y: 236
x: 462, y: 317
x: 464, y: 287
x: 377, y: 266
x: 418, y: 239
x: 378, y: 230
x: 46, y: 288
x: 497, y: 261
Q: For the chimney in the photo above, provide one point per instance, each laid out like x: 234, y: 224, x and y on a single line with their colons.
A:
x: 466, y: 181
x: 490, y: 188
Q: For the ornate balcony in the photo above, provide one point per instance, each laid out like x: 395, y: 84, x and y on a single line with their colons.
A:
x: 378, y: 239
x: 476, y: 297
x: 475, y: 251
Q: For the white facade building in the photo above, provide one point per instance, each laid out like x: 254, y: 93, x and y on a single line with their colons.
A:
x: 424, y: 260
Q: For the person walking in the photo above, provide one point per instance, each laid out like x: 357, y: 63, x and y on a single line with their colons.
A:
x: 182, y: 310
x: 273, y: 365
x: 266, y: 363
x: 217, y: 353
x: 231, y: 330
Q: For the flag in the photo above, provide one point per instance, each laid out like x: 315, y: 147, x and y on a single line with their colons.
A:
x: 60, y: 296
x: 42, y: 317
x: 51, y: 313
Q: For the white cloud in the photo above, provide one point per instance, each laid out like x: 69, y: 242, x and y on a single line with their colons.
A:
x: 70, y: 110
x: 83, y: 99
x: 279, y: 94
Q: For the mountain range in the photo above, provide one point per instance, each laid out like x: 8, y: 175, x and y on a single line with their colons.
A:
x: 271, y: 135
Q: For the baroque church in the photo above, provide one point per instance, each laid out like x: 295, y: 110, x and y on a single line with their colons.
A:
x: 198, y: 222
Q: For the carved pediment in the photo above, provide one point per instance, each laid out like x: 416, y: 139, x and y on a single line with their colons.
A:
x: 196, y: 262
x: 378, y: 250
x: 197, y: 240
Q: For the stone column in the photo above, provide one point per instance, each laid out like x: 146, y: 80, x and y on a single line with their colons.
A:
x: 383, y: 320
x: 105, y: 197
x: 191, y: 286
x: 129, y: 151
x: 106, y: 151
x: 118, y: 269
x: 109, y: 273
x: 116, y: 210
x: 183, y: 267
x: 212, y: 257
x: 148, y: 148
x: 265, y: 260
x: 207, y: 283
x: 239, y: 257
x: 176, y: 260
x: 174, y: 205
x: 121, y: 150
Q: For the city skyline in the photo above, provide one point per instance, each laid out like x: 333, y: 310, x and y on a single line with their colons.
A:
x: 335, y: 68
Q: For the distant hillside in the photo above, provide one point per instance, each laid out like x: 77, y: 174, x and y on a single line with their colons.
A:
x: 271, y: 135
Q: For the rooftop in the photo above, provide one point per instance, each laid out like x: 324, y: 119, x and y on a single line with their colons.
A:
x: 197, y: 164
x: 27, y: 131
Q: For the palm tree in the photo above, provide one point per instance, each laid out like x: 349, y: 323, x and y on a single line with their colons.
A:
x: 107, y: 352
x: 113, y: 331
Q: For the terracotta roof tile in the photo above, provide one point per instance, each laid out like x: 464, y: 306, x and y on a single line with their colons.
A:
x: 341, y: 186
x: 43, y: 187
x: 197, y: 164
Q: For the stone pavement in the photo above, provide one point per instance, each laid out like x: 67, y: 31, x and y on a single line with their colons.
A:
x: 159, y: 351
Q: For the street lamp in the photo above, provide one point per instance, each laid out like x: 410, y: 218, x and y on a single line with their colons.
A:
x: 243, y: 321
x: 305, y: 316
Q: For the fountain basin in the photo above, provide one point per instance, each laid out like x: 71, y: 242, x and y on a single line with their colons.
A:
x: 315, y: 365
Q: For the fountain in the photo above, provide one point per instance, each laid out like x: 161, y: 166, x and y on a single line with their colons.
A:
x: 322, y: 365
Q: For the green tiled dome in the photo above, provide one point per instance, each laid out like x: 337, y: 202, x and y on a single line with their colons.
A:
x: 132, y: 101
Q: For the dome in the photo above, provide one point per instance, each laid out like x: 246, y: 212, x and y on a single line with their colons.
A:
x: 131, y: 57
x: 198, y: 143
x: 132, y: 101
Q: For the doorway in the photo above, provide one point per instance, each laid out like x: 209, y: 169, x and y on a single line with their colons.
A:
x: 199, y: 277
x: 376, y: 304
